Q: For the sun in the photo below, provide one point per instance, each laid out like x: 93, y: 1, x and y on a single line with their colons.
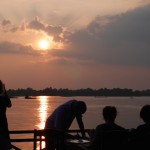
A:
x: 44, y: 44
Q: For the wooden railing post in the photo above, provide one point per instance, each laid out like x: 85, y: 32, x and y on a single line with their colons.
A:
x: 34, y: 139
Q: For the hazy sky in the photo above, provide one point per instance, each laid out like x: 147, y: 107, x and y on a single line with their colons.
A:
x: 75, y: 44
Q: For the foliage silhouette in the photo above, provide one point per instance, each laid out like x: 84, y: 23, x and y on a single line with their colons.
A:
x: 78, y: 92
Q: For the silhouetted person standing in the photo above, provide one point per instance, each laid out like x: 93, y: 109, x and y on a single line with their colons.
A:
x: 108, y: 135
x: 4, y: 132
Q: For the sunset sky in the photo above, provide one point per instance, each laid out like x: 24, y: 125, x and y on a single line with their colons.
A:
x: 75, y: 44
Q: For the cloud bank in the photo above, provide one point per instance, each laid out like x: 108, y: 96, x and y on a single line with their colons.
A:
x: 15, y: 48
x: 120, y: 40
x: 117, y: 40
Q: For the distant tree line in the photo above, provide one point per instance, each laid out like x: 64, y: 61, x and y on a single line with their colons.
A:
x: 78, y: 92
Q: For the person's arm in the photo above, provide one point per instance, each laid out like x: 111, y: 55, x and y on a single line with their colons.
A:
x: 81, y: 125
x: 7, y: 99
x: 2, y: 89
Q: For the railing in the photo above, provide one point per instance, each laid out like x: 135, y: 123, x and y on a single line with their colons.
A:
x: 108, y: 139
x: 33, y: 136
x: 22, y: 132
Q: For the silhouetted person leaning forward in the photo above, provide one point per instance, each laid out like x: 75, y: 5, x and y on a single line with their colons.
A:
x: 63, y: 116
x: 4, y: 132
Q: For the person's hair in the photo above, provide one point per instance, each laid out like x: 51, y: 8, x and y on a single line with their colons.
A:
x: 109, y: 113
x: 80, y: 107
x: 145, y: 113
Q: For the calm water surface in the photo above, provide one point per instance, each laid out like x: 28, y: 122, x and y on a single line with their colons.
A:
x: 29, y: 114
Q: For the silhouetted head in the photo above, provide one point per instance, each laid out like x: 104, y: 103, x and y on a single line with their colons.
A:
x: 109, y: 113
x: 145, y: 113
x: 79, y: 107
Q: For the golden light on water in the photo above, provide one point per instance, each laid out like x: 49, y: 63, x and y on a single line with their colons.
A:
x: 43, y: 111
x: 43, y: 108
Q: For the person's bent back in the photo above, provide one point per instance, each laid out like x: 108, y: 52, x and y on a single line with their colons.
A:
x: 63, y: 116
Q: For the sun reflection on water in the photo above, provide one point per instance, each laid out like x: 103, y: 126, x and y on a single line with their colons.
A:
x: 43, y: 111
x: 43, y: 108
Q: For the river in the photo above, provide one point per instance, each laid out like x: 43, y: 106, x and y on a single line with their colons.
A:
x: 29, y: 114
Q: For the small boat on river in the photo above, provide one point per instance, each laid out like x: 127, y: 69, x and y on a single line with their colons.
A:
x: 29, y: 97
